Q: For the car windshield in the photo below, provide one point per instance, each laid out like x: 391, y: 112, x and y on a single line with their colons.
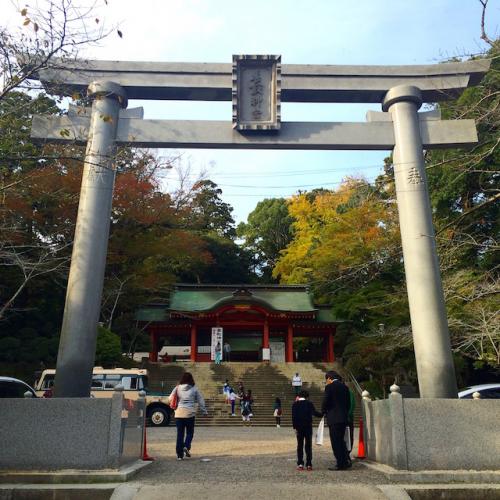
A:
x: 129, y: 382
x: 12, y: 389
x: 48, y: 381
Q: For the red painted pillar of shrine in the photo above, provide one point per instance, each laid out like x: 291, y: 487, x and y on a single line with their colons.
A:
x: 265, y: 336
x: 330, y: 355
x: 289, y: 345
x: 153, y: 355
x: 193, y: 342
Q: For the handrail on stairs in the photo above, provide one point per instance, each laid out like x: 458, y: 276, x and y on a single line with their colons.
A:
x: 354, y: 382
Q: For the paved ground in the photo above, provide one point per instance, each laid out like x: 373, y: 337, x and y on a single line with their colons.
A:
x: 248, y: 463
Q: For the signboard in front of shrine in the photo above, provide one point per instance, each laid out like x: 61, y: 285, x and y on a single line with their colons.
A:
x: 256, y: 93
x: 216, y: 344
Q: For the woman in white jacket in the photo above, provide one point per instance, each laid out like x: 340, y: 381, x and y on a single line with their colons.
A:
x: 187, y: 397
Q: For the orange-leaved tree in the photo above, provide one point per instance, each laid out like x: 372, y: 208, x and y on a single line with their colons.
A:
x: 342, y: 236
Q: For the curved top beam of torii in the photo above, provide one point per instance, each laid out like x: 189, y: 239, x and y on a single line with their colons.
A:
x: 299, y: 83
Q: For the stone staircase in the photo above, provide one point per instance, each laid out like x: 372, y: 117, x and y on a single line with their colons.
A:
x: 267, y: 381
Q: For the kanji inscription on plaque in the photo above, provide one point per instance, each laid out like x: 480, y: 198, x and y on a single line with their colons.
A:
x: 256, y: 92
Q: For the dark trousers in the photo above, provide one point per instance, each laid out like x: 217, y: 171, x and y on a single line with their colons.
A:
x: 339, y: 448
x: 304, y: 436
x: 227, y: 355
x: 185, y: 432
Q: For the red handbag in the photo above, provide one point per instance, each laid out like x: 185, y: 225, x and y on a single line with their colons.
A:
x: 174, y: 400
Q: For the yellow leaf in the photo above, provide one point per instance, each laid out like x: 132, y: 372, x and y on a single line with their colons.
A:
x: 26, y: 22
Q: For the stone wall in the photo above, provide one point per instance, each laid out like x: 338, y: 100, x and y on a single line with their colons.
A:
x: 133, y: 430
x: 69, y: 433
x: 433, y: 434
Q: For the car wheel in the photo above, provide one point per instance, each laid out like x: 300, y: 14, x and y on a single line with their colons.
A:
x: 158, y: 417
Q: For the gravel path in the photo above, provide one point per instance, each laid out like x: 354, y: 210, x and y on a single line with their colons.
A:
x: 242, y: 456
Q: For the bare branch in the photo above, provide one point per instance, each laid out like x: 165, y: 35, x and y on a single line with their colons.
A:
x: 484, y: 36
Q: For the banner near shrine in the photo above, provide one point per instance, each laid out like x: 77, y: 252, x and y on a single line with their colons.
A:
x: 217, y: 339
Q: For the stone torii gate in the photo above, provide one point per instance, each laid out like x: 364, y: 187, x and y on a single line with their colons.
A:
x: 256, y: 85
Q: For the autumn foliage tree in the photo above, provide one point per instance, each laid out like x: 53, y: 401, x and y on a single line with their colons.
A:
x: 342, y: 238
x: 154, y: 240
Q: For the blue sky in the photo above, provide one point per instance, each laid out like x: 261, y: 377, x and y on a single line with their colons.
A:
x: 313, y: 31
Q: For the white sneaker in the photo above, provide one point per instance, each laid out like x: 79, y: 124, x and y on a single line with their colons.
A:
x: 233, y: 415
x: 278, y: 426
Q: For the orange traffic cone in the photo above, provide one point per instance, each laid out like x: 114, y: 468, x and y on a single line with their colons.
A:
x: 145, y: 455
x: 361, y: 441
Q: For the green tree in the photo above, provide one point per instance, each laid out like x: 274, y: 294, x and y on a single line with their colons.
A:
x: 208, y: 212
x: 466, y: 202
x: 230, y: 263
x: 108, y: 348
x: 464, y: 184
x: 268, y: 230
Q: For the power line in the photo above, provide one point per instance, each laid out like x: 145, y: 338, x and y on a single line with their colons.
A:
x: 290, y: 173
x: 245, y: 186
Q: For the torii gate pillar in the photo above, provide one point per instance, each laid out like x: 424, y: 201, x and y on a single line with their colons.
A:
x: 436, y: 373
x: 75, y: 359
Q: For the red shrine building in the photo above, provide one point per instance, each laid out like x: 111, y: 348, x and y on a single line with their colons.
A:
x: 259, y: 322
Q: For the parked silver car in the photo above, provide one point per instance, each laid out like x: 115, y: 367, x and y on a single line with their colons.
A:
x: 487, y: 391
x: 14, y: 388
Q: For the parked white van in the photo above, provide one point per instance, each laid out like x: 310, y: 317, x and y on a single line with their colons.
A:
x: 104, y: 381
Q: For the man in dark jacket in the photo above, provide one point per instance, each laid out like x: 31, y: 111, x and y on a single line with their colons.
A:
x: 302, y: 414
x: 335, y: 407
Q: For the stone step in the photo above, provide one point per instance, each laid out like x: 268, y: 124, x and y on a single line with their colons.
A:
x: 267, y: 381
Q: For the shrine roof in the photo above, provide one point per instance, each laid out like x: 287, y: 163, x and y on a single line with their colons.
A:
x: 152, y: 313
x: 188, y: 298
x: 326, y: 315
x: 198, y: 298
